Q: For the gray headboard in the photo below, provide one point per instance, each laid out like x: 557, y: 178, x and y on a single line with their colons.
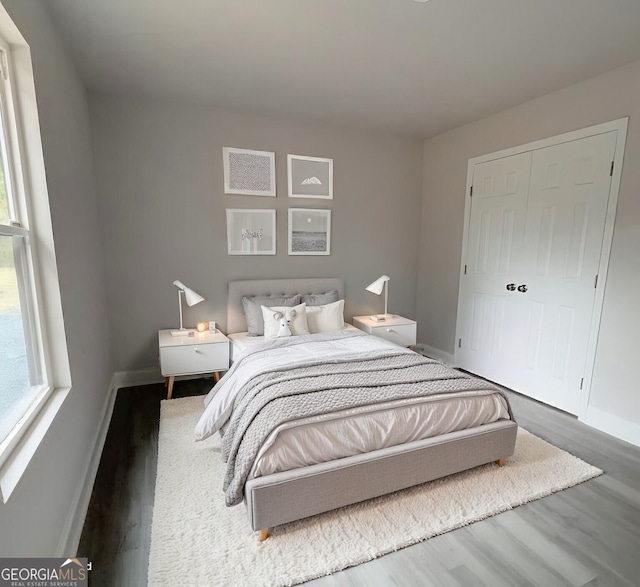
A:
x: 269, y: 287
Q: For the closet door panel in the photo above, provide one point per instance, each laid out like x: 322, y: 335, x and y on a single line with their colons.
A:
x: 495, y: 252
x: 567, y: 205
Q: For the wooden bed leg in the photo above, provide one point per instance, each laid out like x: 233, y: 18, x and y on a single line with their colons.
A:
x: 500, y: 462
x: 262, y: 534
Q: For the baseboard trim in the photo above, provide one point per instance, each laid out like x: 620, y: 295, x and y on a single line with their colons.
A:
x: 134, y: 378
x: 72, y: 531
x: 612, y: 425
x: 434, y: 353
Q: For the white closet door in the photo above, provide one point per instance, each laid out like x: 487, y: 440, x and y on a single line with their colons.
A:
x: 495, y: 258
x: 534, y: 243
x: 567, y: 206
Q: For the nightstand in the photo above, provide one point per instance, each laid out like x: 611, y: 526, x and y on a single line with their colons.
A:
x: 192, y: 355
x: 395, y: 328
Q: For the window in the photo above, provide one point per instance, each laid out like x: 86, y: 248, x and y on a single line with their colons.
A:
x: 23, y: 377
x: 35, y: 378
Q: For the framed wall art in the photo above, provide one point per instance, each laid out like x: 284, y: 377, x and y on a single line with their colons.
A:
x: 310, y: 177
x: 251, y: 232
x: 309, y: 232
x: 249, y: 173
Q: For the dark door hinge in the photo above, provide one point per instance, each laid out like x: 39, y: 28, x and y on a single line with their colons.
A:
x: 465, y: 269
x: 471, y: 192
x: 611, y: 171
x: 459, y: 343
x: 595, y: 282
x: 581, y: 382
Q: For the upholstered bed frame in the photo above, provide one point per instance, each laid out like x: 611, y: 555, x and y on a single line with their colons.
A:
x: 284, y: 497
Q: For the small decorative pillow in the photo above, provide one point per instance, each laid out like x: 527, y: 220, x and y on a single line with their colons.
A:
x: 295, y: 319
x: 320, y: 299
x: 253, y: 313
x: 327, y: 318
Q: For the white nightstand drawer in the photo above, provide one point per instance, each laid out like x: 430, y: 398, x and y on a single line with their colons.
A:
x: 194, y: 358
x: 402, y: 334
x: 397, y: 329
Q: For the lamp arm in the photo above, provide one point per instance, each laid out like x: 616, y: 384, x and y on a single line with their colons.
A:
x: 386, y: 298
x: 180, y: 306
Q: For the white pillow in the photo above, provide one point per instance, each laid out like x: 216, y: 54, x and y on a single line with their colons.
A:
x: 297, y: 325
x: 327, y: 318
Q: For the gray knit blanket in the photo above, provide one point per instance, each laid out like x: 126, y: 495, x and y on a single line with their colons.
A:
x: 285, y: 394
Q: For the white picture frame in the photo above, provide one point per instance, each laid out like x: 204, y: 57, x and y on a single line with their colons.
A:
x: 310, y: 177
x: 309, y: 231
x: 248, y: 172
x: 251, y: 232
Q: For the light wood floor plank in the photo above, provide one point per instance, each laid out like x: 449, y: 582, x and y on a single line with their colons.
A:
x: 460, y: 542
x: 545, y: 548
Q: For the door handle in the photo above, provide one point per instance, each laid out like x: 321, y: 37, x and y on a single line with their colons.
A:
x: 511, y: 286
x: 522, y: 288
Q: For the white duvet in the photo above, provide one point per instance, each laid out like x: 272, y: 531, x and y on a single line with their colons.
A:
x: 327, y: 437
x: 294, y: 351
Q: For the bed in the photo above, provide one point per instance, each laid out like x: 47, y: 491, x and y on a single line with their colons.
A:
x: 318, y: 421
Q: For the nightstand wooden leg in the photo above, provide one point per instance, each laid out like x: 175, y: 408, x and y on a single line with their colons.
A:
x: 216, y: 376
x: 170, y: 386
x: 500, y: 462
x: 263, y: 534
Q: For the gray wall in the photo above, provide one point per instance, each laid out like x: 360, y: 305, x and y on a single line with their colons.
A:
x: 613, y: 95
x: 32, y: 521
x: 159, y: 177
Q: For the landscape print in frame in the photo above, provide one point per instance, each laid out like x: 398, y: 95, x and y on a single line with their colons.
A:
x: 309, y: 231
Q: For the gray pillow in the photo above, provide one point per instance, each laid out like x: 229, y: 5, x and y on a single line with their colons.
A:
x: 321, y: 299
x: 253, y: 311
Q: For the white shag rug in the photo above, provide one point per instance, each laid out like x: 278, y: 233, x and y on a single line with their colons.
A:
x: 196, y: 540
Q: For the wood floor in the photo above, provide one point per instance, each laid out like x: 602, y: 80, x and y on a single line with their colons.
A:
x: 588, y: 535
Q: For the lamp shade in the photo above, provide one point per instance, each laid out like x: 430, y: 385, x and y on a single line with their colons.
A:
x: 191, y: 297
x: 378, y: 285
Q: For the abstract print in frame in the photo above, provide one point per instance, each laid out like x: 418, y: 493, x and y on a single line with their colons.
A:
x: 309, y: 231
x: 251, y: 232
x: 310, y: 177
x: 249, y: 173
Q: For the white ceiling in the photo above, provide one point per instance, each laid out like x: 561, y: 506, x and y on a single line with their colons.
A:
x: 394, y: 65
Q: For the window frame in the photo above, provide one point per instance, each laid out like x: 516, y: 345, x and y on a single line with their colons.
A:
x: 34, y: 256
x: 18, y: 231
